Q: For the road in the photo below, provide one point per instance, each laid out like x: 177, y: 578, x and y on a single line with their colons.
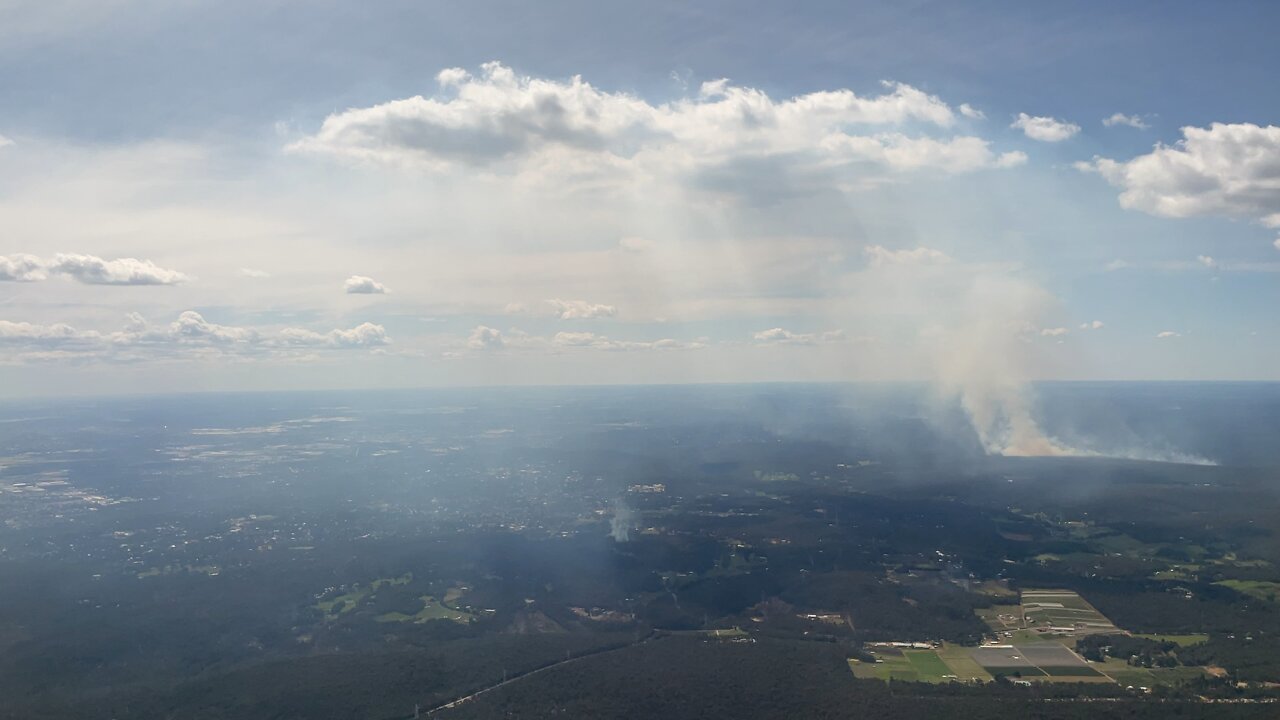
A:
x: 544, y: 668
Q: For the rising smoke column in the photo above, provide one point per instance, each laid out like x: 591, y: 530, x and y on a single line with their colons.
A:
x: 624, y: 518
x: 983, y: 352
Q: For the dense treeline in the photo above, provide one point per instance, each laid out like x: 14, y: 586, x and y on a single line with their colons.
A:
x: 682, y: 677
x: 349, y: 685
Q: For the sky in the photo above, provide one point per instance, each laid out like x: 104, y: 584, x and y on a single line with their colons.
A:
x: 236, y: 195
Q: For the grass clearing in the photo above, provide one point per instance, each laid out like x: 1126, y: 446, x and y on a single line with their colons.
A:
x: 1176, y: 675
x: 346, y: 602
x: 1260, y: 589
x: 962, y: 664
x: 928, y: 666
x: 1179, y: 640
x: 432, y: 609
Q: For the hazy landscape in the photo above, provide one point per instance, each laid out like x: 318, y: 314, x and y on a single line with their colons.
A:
x: 359, y: 554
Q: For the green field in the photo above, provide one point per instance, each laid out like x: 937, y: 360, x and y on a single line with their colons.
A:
x: 348, y: 601
x: 1180, y: 640
x: 1260, y: 589
x: 1137, y: 677
x: 928, y: 666
x: 1175, y: 675
x: 962, y: 664
x: 432, y: 609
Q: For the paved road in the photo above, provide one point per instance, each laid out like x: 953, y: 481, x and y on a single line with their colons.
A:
x: 544, y: 668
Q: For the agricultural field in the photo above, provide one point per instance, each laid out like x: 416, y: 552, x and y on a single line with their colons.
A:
x: 1260, y: 589
x: 1035, y: 641
x: 1062, y: 612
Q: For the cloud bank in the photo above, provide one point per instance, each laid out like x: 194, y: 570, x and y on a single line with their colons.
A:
x: 88, y: 269
x: 502, y: 121
x: 189, y: 334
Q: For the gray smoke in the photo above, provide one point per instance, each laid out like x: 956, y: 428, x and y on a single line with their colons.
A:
x: 624, y: 518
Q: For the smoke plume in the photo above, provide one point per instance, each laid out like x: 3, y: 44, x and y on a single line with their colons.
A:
x: 624, y: 518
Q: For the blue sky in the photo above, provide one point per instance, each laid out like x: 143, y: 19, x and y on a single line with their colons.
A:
x: 210, y: 195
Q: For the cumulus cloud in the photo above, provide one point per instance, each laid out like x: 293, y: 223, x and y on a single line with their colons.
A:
x: 971, y: 112
x: 879, y: 256
x: 780, y: 336
x: 1053, y: 332
x: 500, y: 119
x: 1231, y: 170
x: 361, y: 285
x: 564, y: 309
x: 5, y: 141
x: 1095, y: 325
x: 190, y: 332
x: 88, y: 269
x: 1044, y: 129
x: 1166, y: 334
x: 253, y: 273
x: 21, y: 268
x: 363, y: 335
x: 592, y: 341
x: 43, y: 336
x: 93, y: 270
x: 485, y: 338
x: 1207, y: 261
x: 1132, y: 121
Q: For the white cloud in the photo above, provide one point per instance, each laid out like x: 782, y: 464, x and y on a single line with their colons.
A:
x: 879, y: 256
x: 574, y: 339
x: 361, y: 285
x: 253, y: 273
x: 88, y: 269
x: 21, y: 268
x: 1132, y: 121
x: 502, y: 120
x: 564, y: 309
x: 900, y: 152
x: 780, y: 336
x: 485, y: 338
x: 971, y: 112
x: 1053, y: 332
x: 93, y: 270
x: 581, y: 309
x: 1095, y: 325
x: 1207, y: 261
x: 361, y: 336
x: 189, y: 333
x: 5, y: 141
x: 1044, y: 129
x: 1276, y: 243
x: 592, y: 341
x: 55, y: 335
x: 1166, y: 334
x: 1228, y: 170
